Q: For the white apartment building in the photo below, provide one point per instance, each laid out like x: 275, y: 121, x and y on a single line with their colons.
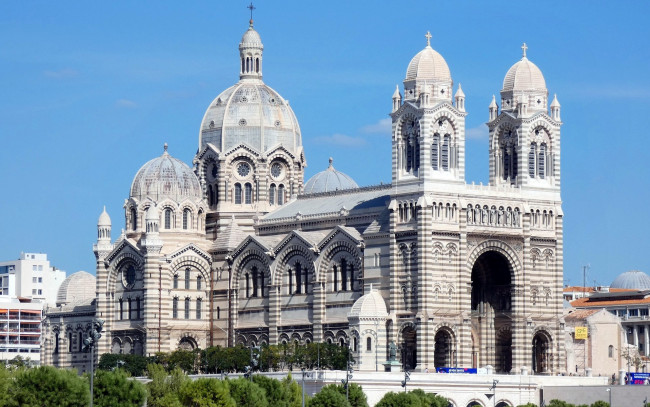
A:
x: 31, y: 276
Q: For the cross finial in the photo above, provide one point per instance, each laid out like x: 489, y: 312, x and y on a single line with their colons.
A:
x: 165, y: 147
x: 251, y: 7
x: 524, y: 48
x: 428, y: 39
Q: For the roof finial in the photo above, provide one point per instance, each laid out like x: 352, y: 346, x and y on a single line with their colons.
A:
x: 524, y: 48
x: 428, y: 39
x: 331, y: 161
x: 165, y: 147
x: 251, y: 7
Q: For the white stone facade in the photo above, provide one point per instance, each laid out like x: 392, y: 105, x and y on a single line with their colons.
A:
x: 230, y: 252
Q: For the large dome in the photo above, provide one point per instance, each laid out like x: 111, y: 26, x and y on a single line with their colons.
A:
x: 165, y: 177
x: 428, y: 64
x: 250, y: 112
x: 634, y: 279
x: 329, y: 180
x: 76, y: 287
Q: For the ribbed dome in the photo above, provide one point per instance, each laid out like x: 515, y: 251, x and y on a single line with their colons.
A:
x: 77, y: 287
x: 633, y: 279
x: 428, y: 64
x: 250, y: 113
x: 524, y: 75
x: 165, y: 177
x: 251, y: 37
x: 104, y: 219
x: 329, y: 180
x: 371, y: 305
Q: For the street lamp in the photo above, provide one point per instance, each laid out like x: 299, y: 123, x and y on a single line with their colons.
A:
x: 494, y: 391
x: 348, y: 374
x: 609, y: 390
x: 89, y: 345
x: 304, y: 374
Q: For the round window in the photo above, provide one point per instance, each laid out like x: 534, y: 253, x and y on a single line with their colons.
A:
x: 243, y: 169
x: 128, y: 276
x: 276, y: 170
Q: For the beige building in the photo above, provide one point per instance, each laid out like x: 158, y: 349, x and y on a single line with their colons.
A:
x: 236, y: 250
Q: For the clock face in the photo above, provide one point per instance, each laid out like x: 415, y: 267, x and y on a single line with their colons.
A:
x: 276, y: 170
x: 243, y: 169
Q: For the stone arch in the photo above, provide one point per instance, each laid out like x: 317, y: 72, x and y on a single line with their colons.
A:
x: 182, y: 262
x: 122, y: 260
x: 445, y: 346
x: 444, y: 116
x: 500, y: 247
x: 116, y: 346
x: 252, y: 256
x: 474, y: 402
x: 400, y: 123
x: 241, y: 154
x: 332, y: 252
x: 542, y: 350
x: 287, y: 254
x: 241, y: 340
x: 499, y: 133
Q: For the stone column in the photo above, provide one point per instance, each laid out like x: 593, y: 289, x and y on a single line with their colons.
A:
x: 319, y: 310
x: 635, y: 332
x: 646, y: 340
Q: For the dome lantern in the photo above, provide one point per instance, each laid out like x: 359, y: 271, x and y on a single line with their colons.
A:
x: 524, y: 81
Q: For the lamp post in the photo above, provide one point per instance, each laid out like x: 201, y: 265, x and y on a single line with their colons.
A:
x: 348, y: 374
x: 609, y: 390
x: 89, y: 346
x: 304, y: 374
x: 494, y: 391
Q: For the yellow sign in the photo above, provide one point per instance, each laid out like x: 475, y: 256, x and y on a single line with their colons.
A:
x: 581, y: 332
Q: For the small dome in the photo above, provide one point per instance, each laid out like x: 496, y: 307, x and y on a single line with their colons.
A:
x: 634, y: 279
x: 104, y: 219
x: 79, y: 286
x: 329, y: 180
x: 251, y: 37
x: 165, y: 177
x: 524, y: 75
x: 371, y: 305
x: 428, y: 64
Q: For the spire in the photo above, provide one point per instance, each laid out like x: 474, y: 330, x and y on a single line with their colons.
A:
x: 524, y: 48
x: 493, y: 108
x: 555, y: 103
x: 250, y: 52
x: 460, y: 98
x: 493, y: 103
x: 459, y: 92
x: 396, y: 94
x: 428, y: 37
x: 331, y: 167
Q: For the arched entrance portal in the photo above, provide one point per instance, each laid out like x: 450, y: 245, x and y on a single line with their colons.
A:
x: 541, y: 352
x: 492, y: 308
x: 443, y: 351
x: 409, y: 348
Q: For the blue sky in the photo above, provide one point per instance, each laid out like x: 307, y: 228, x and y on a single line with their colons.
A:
x: 90, y: 91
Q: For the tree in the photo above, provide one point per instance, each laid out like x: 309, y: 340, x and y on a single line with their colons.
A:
x: 187, y: 360
x: 430, y: 400
x: 293, y: 391
x: 6, y: 379
x: 527, y: 405
x: 559, y: 403
x: 163, y: 389
x: 114, y: 388
x: 206, y: 393
x: 247, y: 394
x: 48, y: 386
x: 135, y: 365
x: 400, y: 400
x: 276, y: 392
x: 329, y: 396
x: 600, y: 403
x: 356, y: 396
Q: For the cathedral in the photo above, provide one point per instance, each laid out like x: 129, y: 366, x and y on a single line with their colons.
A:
x: 425, y: 272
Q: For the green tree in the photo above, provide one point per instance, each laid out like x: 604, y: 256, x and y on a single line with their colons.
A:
x: 528, y: 405
x: 135, y: 365
x: 276, y: 392
x: 206, y: 393
x: 600, y: 403
x: 114, y: 388
x: 293, y: 391
x: 48, y: 386
x: 247, y: 394
x: 400, y: 400
x: 187, y: 360
x: 6, y: 379
x: 430, y: 400
x: 164, y: 389
x: 329, y: 396
x: 559, y: 403
x: 356, y: 396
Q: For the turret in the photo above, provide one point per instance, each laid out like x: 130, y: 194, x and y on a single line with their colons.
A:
x: 494, y: 109
x: 103, y: 245
x: 460, y: 99
x: 397, y: 99
x: 555, y: 109
x: 151, y: 241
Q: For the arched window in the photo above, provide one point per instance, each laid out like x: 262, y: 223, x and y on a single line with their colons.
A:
x: 70, y: 342
x: 541, y: 161
x: 121, y: 309
x: 290, y: 273
x: 354, y: 344
x: 248, y: 286
x: 254, y: 276
x: 187, y: 308
x: 248, y: 64
x: 175, y: 280
x: 243, y: 65
x: 280, y: 194
x: 610, y: 351
x: 198, y: 308
x: 210, y: 195
x: 444, y: 153
x: 139, y: 309
x: 298, y: 278
x: 336, y: 278
x: 168, y: 218
x: 198, y: 282
x: 257, y: 65
x: 81, y: 341
x: 344, y: 275
x: 248, y: 196
x: 261, y: 284
x: 186, y: 218
x: 175, y: 308
x: 435, y: 147
x: 218, y: 312
x: 130, y: 309
x: 134, y: 218
x: 272, y: 194
x: 238, y: 193
x: 187, y: 278
x: 368, y: 344
x: 56, y: 342
x: 531, y: 160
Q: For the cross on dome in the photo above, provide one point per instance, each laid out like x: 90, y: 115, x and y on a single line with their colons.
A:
x: 251, y: 7
x: 428, y: 36
x: 165, y: 146
x: 524, y: 48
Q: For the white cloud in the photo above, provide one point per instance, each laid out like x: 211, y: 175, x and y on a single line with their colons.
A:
x: 383, y: 126
x: 126, y: 103
x: 477, y: 133
x: 61, y: 74
x: 341, y: 140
